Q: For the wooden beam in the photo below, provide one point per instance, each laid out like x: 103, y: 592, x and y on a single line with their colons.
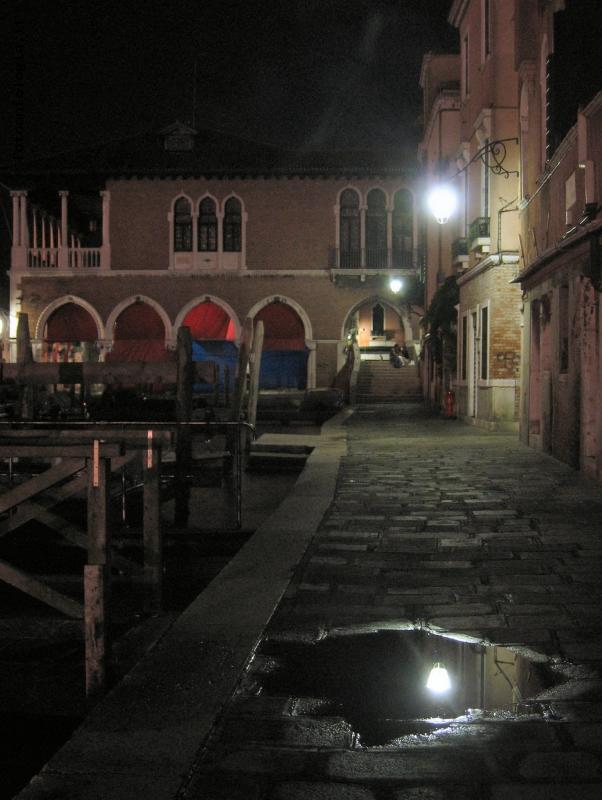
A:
x: 183, y: 415
x: 129, y: 374
x: 42, y: 451
x: 255, y: 360
x: 240, y: 385
x: 35, y: 588
x: 53, y: 495
x: 96, y: 642
x: 39, y: 483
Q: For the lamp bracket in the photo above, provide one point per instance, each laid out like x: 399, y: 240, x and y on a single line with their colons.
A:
x: 492, y: 155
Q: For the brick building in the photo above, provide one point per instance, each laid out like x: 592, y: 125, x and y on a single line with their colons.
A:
x: 561, y: 229
x: 476, y: 152
x: 115, y: 248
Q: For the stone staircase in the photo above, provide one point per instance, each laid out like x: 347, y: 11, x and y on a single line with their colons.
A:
x: 380, y: 382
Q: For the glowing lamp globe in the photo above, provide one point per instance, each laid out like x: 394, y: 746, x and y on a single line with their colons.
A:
x: 396, y: 285
x: 442, y: 202
x: 438, y: 681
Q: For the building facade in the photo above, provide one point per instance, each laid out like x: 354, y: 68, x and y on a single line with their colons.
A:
x: 185, y: 230
x: 561, y: 233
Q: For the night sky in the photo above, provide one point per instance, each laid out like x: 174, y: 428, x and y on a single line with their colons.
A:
x: 309, y: 73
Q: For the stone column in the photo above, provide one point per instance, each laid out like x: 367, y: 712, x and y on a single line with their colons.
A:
x: 64, y: 248
x: 105, y: 250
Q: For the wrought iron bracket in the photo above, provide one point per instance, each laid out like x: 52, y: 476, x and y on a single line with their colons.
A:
x: 496, y: 151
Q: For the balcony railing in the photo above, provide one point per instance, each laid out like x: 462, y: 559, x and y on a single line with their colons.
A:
x: 43, y: 257
x: 62, y: 258
x: 478, y: 229
x: 378, y: 258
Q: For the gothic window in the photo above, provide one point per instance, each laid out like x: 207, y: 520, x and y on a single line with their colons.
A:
x: 182, y: 225
x: 403, y: 229
x: 349, y: 239
x: 207, y: 225
x: 232, y: 226
x: 376, y: 230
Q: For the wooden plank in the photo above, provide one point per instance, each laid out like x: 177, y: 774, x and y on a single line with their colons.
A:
x: 42, y: 451
x: 95, y: 629
x: 83, y: 436
x: 39, y: 483
x: 35, y: 588
x: 54, y: 495
x: 92, y: 372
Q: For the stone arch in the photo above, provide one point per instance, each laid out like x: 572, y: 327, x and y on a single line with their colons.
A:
x: 387, y: 304
x: 61, y: 301
x: 138, y: 298
x: 301, y: 313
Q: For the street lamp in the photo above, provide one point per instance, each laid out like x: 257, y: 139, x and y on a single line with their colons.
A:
x: 442, y: 200
x: 438, y: 680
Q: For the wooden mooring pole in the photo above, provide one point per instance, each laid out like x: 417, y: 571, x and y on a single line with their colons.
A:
x: 153, y: 537
x: 183, y: 417
x: 97, y: 575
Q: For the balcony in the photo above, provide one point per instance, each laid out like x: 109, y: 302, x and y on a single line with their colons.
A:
x: 459, y: 252
x: 376, y: 259
x: 479, y: 235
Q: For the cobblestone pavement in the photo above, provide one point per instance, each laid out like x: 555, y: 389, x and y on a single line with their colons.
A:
x: 438, y: 524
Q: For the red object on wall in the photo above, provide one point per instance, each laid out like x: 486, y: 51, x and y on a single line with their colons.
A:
x: 449, y: 405
x: 71, y: 323
x: 283, y: 328
x: 209, y: 321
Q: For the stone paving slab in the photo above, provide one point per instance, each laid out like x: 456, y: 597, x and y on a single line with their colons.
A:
x: 469, y: 532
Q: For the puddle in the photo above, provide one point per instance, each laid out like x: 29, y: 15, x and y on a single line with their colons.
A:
x: 377, y: 682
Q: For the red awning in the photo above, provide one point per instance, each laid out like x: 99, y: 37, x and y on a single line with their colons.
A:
x: 283, y: 328
x: 209, y: 321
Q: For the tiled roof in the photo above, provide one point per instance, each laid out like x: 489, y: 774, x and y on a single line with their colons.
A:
x: 214, y: 154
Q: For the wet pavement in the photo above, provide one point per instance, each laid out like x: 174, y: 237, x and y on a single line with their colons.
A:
x: 281, y: 681
x: 447, y: 529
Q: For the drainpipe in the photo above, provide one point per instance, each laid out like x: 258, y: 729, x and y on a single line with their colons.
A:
x: 503, y: 210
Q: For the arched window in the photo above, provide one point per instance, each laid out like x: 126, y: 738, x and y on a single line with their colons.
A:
x: 207, y: 226
x: 376, y: 230
x: 232, y: 226
x: 403, y: 227
x: 182, y: 226
x: 349, y: 239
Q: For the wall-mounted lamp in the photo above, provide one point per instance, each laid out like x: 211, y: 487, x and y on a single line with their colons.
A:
x: 442, y: 200
x: 396, y: 285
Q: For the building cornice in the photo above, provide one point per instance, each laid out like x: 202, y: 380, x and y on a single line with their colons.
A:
x: 505, y: 259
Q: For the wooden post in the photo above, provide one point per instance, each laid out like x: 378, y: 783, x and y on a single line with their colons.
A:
x: 153, y: 538
x: 226, y: 386
x: 241, y: 371
x: 97, y: 574
x: 183, y: 416
x: 95, y: 629
x: 255, y: 369
x: 25, y: 356
x: 216, y: 374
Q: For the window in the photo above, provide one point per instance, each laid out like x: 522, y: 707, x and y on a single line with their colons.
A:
x: 486, y: 28
x: 232, y: 226
x: 376, y: 230
x: 403, y: 225
x: 349, y: 238
x: 182, y: 226
x: 484, y: 343
x: 207, y: 226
